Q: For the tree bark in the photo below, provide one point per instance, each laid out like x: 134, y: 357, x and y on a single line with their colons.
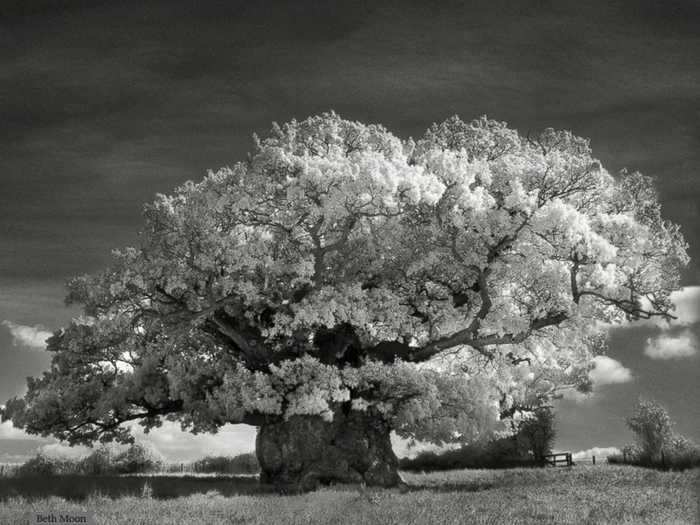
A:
x: 299, y: 454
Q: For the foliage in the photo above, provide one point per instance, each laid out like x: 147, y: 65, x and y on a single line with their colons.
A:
x: 240, y: 464
x: 526, y: 447
x: 439, y: 283
x: 497, y: 454
x: 43, y: 465
x: 134, y: 459
x: 657, y: 444
x: 99, y: 462
x: 652, y: 427
x: 536, y: 434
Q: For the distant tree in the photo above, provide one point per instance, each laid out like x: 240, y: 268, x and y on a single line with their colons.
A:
x: 137, y: 458
x: 536, y: 434
x: 652, y: 427
x: 240, y: 464
x: 342, y: 283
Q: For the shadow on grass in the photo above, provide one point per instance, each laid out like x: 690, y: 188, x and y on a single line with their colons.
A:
x: 80, y: 487
x: 77, y: 488
x: 449, y: 487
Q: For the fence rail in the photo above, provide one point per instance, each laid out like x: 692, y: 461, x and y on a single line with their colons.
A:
x: 555, y: 460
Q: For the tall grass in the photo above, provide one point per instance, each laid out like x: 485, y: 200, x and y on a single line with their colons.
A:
x: 581, y: 495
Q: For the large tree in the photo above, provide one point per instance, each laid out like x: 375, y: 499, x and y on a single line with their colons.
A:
x: 342, y: 283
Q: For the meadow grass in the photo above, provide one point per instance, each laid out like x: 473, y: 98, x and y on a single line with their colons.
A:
x: 581, y: 495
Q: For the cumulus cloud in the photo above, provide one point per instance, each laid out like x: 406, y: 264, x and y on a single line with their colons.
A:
x: 7, y: 431
x: 608, y: 371
x: 668, y: 346
x: 29, y: 336
x: 599, y: 452
x: 687, y: 303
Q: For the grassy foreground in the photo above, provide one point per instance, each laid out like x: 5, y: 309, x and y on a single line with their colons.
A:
x: 584, y: 494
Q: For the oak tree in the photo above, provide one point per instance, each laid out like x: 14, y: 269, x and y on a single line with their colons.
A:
x: 343, y: 283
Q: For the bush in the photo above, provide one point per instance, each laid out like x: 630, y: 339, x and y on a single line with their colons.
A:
x: 526, y: 448
x: 652, y: 427
x: 241, y: 464
x: 681, y: 454
x: 42, y: 465
x: 501, y: 453
x: 536, y: 435
x: 657, y: 445
x: 98, y: 463
x: 678, y: 453
x: 101, y: 462
x: 136, y: 459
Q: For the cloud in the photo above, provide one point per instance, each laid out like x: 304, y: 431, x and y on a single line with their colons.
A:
x: 167, y: 442
x: 608, y: 371
x: 577, y: 397
x: 29, y: 336
x: 667, y: 346
x: 686, y: 310
x: 63, y: 451
x: 599, y: 452
x: 407, y: 448
x: 178, y: 446
x: 687, y: 303
x: 7, y: 431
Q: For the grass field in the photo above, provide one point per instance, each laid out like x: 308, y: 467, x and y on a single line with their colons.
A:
x: 581, y: 495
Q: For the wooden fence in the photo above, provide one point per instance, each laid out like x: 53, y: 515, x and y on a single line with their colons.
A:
x: 561, y: 459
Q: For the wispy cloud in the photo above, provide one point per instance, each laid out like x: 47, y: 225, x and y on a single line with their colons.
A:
x: 30, y: 336
x: 668, y: 346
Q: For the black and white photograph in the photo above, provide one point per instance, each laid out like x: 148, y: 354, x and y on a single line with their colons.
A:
x: 350, y: 262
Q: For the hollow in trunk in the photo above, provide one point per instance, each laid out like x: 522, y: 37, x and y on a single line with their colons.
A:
x: 305, y: 451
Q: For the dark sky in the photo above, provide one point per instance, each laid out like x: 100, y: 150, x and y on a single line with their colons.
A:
x: 103, y: 104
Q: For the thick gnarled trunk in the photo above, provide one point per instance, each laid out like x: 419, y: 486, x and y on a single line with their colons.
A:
x: 305, y: 451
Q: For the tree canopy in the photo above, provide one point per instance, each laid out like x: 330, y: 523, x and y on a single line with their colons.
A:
x: 445, y: 283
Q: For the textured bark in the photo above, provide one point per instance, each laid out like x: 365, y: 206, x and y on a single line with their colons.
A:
x: 299, y: 454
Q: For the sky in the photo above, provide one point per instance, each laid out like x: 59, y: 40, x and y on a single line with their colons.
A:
x: 103, y: 104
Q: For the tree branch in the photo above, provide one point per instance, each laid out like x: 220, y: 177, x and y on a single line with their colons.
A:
x: 468, y: 338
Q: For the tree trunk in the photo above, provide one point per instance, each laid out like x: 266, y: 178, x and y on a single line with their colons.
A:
x: 298, y: 454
